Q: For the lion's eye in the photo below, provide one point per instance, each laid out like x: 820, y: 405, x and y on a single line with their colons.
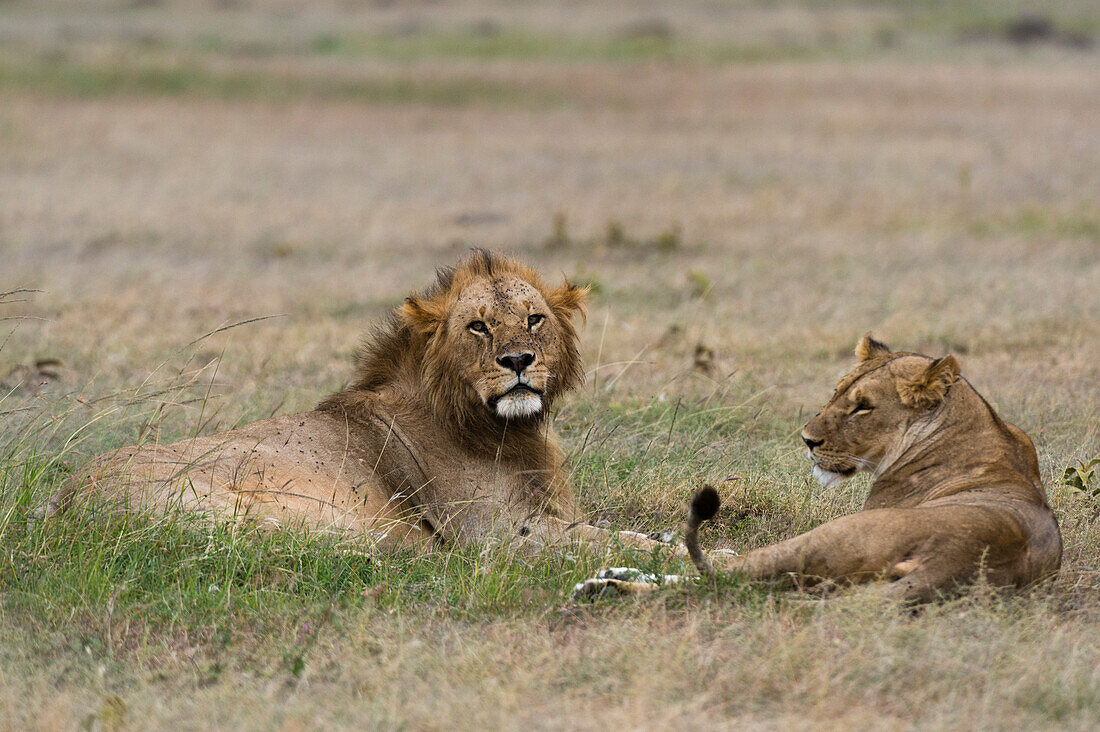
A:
x: 533, y: 321
x: 862, y: 408
x: 478, y: 326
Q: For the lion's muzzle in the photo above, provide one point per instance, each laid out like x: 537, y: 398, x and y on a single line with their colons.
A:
x: 520, y: 401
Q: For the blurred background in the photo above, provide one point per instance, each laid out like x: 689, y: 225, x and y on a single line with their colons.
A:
x: 746, y: 186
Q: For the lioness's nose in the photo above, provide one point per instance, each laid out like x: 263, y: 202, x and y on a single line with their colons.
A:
x: 810, y: 442
x: 516, y: 361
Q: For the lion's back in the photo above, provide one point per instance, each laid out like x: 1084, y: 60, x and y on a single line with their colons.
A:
x: 292, y: 465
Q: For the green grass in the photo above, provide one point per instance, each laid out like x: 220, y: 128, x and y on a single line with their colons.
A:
x: 112, y: 581
x: 193, y: 80
x: 115, y: 581
x: 528, y: 45
x: 124, y: 607
x: 93, y: 567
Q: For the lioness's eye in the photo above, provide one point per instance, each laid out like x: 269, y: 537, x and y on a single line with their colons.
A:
x: 862, y: 408
x: 478, y: 326
x: 534, y: 320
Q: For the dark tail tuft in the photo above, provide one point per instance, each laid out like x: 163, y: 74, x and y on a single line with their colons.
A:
x: 705, y: 503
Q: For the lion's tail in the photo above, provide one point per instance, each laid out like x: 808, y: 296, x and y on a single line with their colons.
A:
x: 704, y: 505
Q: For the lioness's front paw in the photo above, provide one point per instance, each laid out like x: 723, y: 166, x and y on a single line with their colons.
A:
x: 622, y: 580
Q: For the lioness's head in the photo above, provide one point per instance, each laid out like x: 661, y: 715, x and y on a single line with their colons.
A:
x: 496, y: 338
x: 873, y: 408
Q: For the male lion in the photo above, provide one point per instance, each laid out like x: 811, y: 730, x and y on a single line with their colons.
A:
x: 956, y: 490
x: 444, y: 436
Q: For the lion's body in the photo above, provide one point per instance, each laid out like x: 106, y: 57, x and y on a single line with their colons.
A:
x: 956, y: 493
x: 362, y: 475
x: 304, y: 468
x: 445, y: 435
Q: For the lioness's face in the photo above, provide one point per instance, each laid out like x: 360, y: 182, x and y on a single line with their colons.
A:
x: 852, y: 431
x: 873, y: 407
x: 506, y: 344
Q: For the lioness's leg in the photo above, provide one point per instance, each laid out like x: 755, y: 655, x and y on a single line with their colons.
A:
x: 925, y: 551
x: 918, y: 582
x: 854, y: 548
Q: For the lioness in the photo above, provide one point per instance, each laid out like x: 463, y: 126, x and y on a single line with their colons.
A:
x: 956, y: 490
x: 444, y: 436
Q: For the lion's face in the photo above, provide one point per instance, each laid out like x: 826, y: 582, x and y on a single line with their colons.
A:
x: 500, y: 339
x: 506, y: 344
x: 874, y: 409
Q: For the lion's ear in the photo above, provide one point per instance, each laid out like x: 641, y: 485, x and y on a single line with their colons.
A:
x: 568, y: 300
x: 423, y: 316
x: 869, y: 348
x: 928, y: 388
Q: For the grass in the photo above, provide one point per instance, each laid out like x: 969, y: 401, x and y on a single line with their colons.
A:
x: 526, y: 45
x: 124, y: 608
x: 1042, y: 224
x: 742, y: 220
x: 92, y: 79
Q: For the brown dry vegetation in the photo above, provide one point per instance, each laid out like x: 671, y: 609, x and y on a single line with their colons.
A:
x: 748, y: 187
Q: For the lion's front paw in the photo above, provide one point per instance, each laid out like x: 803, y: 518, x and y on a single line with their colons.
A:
x: 622, y: 580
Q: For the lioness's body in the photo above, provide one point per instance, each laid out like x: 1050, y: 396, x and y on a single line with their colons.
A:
x: 956, y: 493
x: 444, y: 436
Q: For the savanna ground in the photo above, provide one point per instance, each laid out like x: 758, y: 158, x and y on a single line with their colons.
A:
x: 747, y: 187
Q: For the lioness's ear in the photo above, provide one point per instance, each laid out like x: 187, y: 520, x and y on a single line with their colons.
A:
x: 423, y: 316
x: 568, y: 300
x: 868, y: 348
x: 928, y: 388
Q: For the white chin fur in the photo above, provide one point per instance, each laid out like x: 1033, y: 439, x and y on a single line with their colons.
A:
x: 519, y: 405
x: 827, y: 478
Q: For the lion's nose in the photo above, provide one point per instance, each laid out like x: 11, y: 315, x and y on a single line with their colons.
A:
x: 516, y: 361
x: 810, y: 442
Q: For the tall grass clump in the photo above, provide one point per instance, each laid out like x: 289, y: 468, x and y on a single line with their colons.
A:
x: 112, y: 580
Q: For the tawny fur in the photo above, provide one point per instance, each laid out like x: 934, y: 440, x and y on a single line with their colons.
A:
x: 956, y: 493
x: 414, y: 452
